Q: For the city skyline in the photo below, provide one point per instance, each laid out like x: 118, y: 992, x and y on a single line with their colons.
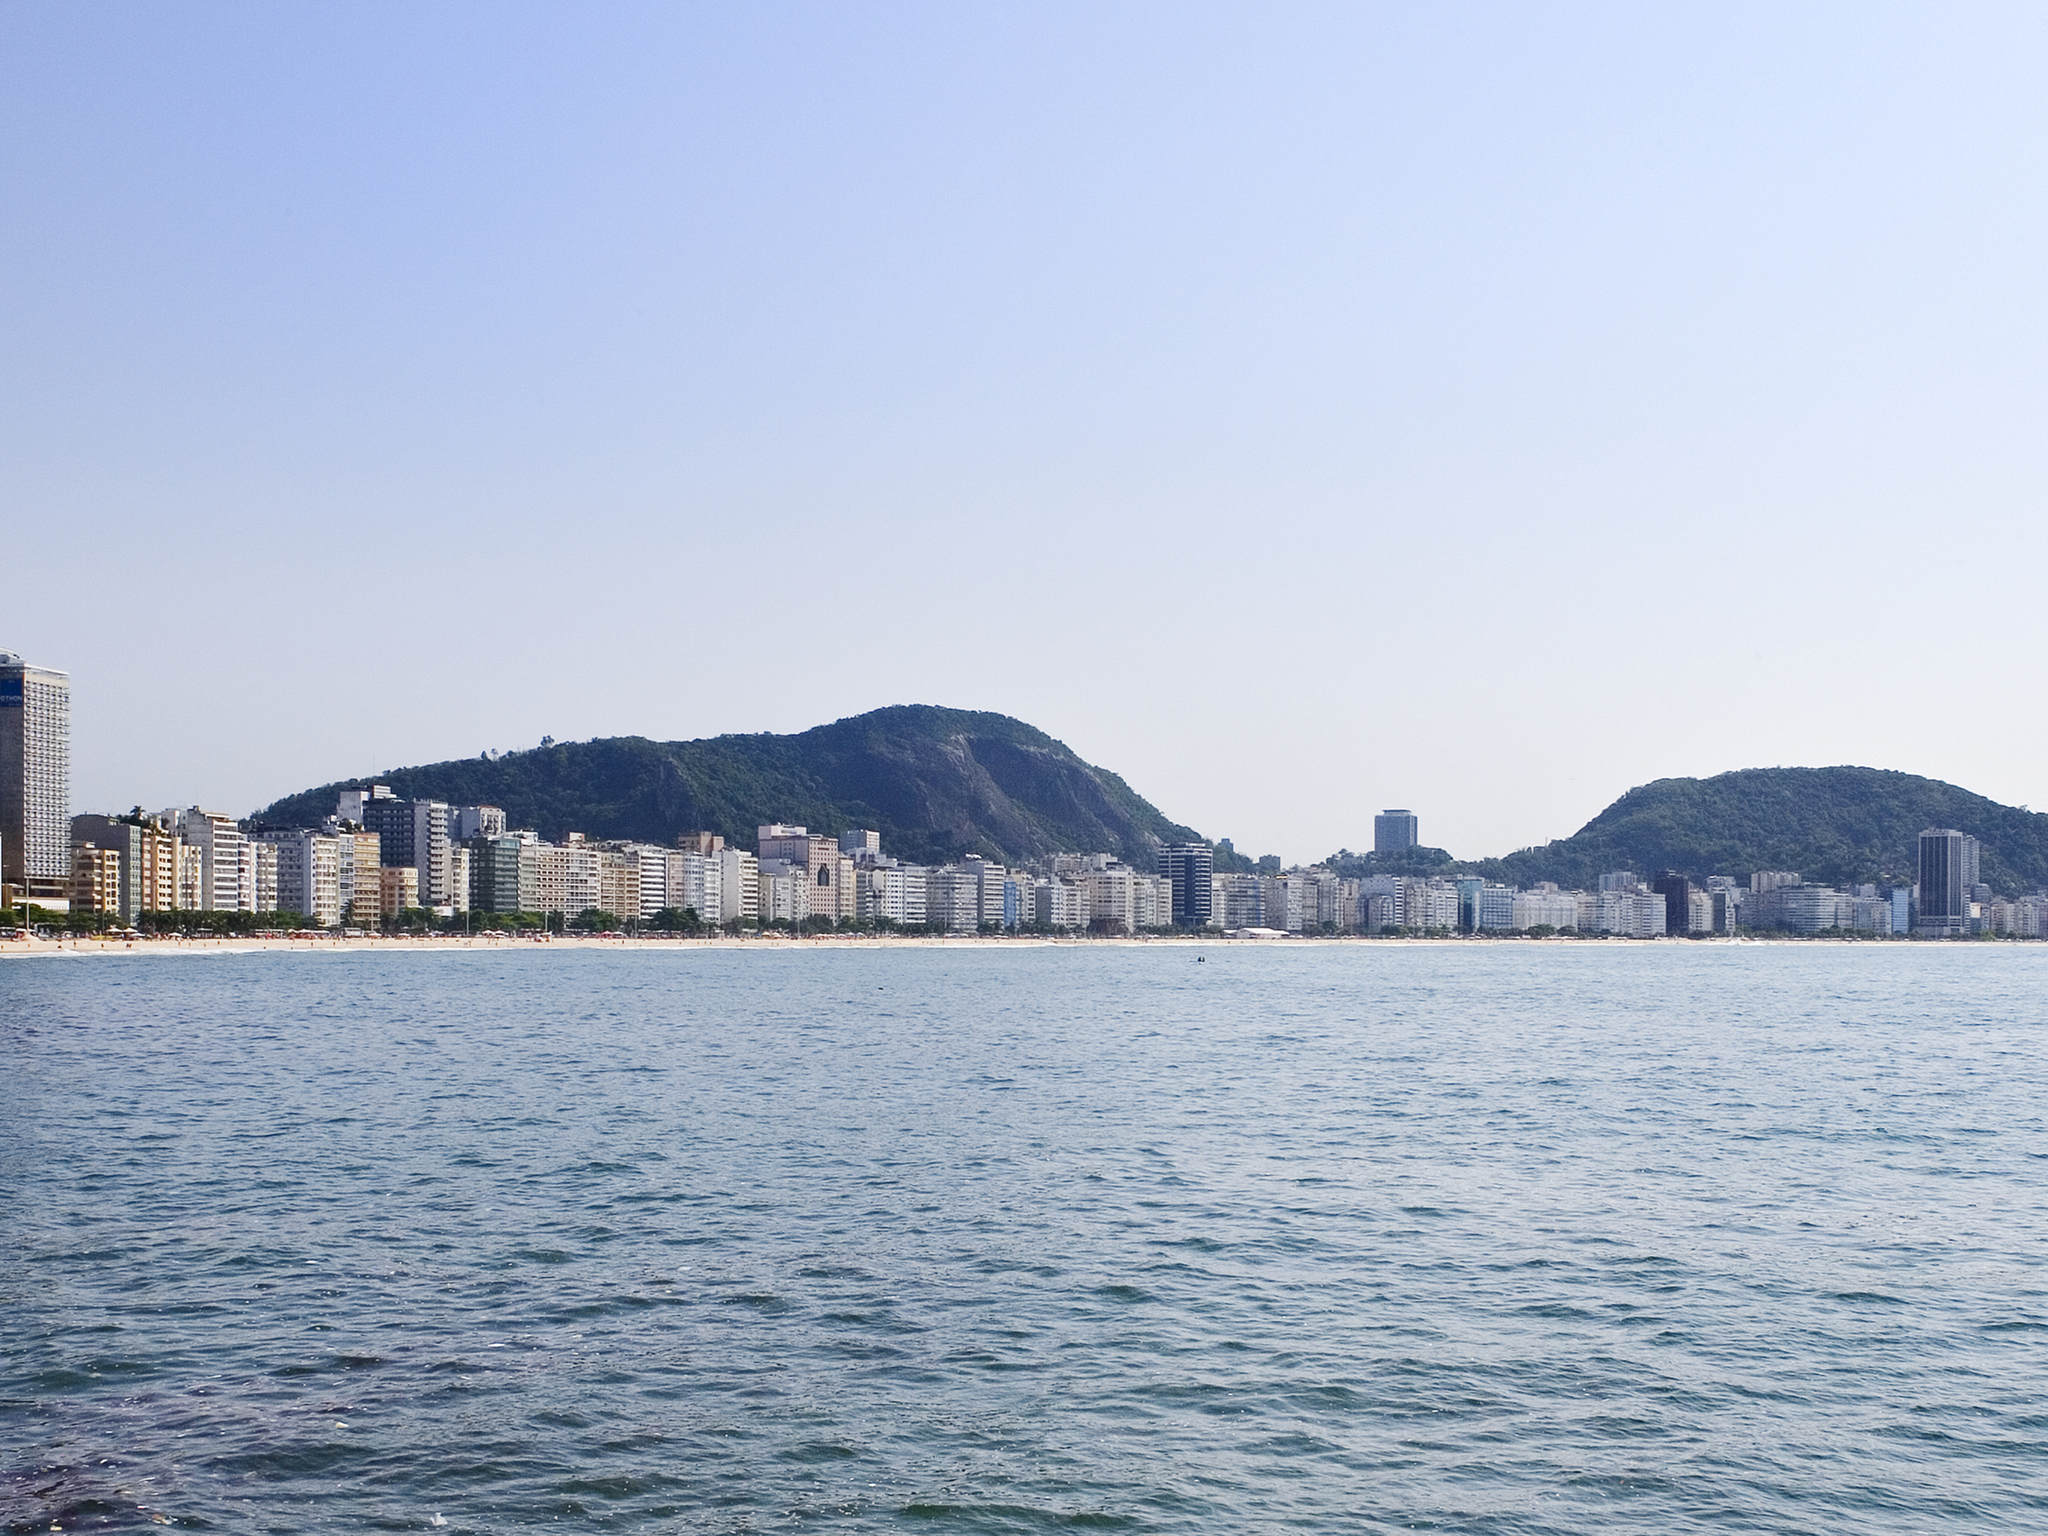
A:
x: 380, y: 858
x: 35, y: 763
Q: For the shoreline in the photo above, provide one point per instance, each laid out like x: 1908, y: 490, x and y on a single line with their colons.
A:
x: 78, y: 946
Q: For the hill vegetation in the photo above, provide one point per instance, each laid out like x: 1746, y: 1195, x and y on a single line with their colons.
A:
x: 942, y: 783
x: 938, y: 784
x: 1840, y: 826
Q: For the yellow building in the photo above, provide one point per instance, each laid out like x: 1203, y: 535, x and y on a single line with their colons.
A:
x: 362, y: 880
x: 398, y: 889
x: 95, y: 879
x: 156, y: 870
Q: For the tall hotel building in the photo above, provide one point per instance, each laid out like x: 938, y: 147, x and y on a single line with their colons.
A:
x: 35, y: 778
x: 1395, y: 831
x: 1191, y: 868
x: 1948, y: 868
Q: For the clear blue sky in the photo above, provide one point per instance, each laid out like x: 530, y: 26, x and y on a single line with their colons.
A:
x: 1299, y: 410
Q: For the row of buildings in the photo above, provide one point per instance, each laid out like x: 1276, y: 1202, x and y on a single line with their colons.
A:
x: 380, y: 854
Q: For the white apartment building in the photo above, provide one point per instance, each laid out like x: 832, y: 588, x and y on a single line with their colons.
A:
x: 696, y: 883
x: 217, y: 842
x: 952, y: 898
x: 1153, y: 900
x: 1699, y: 912
x: 739, y: 885
x: 1493, y: 909
x: 1651, y: 916
x: 1329, y: 898
x: 1060, y: 904
x: 988, y: 889
x: 308, y: 875
x: 1112, y: 898
x: 892, y: 892
x: 461, y: 862
x: 1628, y: 914
x: 1545, y: 907
x: 1432, y: 905
x: 652, y: 863
x: 1241, y: 900
x: 784, y: 891
x: 569, y: 880
x: 1385, y: 898
x: 1290, y: 903
x: 255, y: 878
x: 193, y: 891
x: 431, y: 853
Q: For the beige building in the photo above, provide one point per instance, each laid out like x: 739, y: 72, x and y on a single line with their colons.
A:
x: 569, y: 877
x: 618, y: 883
x: 829, y: 873
x: 95, y: 879
x: 156, y: 870
x: 360, y: 877
x: 191, y: 876
x: 398, y: 890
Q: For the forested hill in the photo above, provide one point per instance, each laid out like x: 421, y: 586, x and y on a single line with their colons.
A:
x: 936, y: 783
x: 1837, y: 825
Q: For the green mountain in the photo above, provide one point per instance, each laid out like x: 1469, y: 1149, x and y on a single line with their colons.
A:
x: 1836, y: 825
x: 936, y: 783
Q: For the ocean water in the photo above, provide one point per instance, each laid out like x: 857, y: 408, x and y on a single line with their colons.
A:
x: 1469, y: 1238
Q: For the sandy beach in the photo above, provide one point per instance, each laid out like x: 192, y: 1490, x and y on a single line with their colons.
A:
x: 82, y: 945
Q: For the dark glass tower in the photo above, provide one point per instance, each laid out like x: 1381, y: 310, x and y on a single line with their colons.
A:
x: 1948, y: 868
x: 1395, y: 831
x: 1191, y: 868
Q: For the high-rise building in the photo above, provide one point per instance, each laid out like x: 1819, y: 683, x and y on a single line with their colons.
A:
x: 1948, y: 868
x: 414, y: 832
x: 96, y: 880
x: 360, y: 877
x: 1244, y: 901
x: 1493, y: 908
x: 35, y: 778
x: 739, y: 885
x: 505, y: 873
x: 696, y: 883
x: 256, y: 876
x: 777, y: 840
x: 309, y: 875
x: 398, y: 889
x: 1676, y: 890
x: 124, y: 836
x: 1395, y: 831
x: 830, y: 873
x: 218, y: 841
x: 1192, y: 868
